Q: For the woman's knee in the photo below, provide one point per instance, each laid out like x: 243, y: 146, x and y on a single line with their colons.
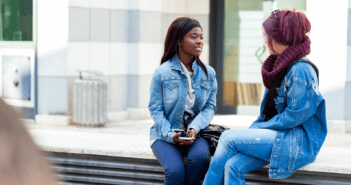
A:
x: 228, y: 137
x: 201, y: 159
x: 175, y: 174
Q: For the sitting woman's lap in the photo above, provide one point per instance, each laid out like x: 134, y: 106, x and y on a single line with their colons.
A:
x: 238, y: 152
x: 171, y: 158
x: 254, y: 142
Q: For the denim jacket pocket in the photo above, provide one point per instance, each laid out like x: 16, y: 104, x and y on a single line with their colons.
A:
x: 279, y: 103
x: 206, y: 87
x: 171, y: 90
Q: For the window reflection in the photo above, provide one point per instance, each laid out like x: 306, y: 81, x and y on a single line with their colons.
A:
x: 243, y: 37
x: 16, y: 20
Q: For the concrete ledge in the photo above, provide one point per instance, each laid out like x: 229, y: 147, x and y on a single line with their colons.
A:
x: 52, y: 119
x: 121, y: 145
x: 330, y: 160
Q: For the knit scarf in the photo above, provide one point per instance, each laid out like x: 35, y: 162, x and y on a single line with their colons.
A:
x: 274, y: 64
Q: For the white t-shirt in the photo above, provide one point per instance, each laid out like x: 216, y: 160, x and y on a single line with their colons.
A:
x: 190, y: 98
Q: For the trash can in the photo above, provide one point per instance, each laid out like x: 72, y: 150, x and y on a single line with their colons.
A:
x: 90, y: 101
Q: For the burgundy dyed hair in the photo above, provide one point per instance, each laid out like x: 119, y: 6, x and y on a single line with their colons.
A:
x: 173, y: 37
x: 287, y: 27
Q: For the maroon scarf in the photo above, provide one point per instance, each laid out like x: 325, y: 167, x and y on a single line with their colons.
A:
x: 274, y: 64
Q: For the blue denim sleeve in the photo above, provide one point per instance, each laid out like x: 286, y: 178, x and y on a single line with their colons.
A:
x: 258, y: 120
x: 156, y: 108
x: 205, y: 116
x: 300, y: 107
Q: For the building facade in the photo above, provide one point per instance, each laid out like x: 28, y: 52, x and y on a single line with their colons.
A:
x: 50, y: 40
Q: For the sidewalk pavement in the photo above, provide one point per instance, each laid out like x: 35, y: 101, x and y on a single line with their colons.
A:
x: 142, y: 128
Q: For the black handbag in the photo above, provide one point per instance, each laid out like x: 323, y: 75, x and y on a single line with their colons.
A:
x: 212, y: 133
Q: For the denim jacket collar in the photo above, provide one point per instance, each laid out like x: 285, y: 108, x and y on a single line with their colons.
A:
x: 175, y: 64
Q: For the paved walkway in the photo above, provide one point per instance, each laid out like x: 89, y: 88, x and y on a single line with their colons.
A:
x: 142, y: 127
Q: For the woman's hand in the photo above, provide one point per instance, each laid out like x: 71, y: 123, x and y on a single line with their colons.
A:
x: 182, y: 142
x: 192, y: 133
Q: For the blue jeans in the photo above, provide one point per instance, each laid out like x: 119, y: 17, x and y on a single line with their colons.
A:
x: 239, y: 151
x: 171, y: 158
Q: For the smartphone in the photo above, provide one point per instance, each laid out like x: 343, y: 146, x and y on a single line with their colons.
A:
x: 183, y: 135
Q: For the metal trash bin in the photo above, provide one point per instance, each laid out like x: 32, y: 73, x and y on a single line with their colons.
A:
x: 90, y: 101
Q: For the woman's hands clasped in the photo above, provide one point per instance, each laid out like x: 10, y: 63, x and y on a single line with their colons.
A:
x: 191, y: 132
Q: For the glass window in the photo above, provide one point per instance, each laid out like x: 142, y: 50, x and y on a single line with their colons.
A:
x: 244, y: 50
x: 243, y: 38
x: 16, y: 20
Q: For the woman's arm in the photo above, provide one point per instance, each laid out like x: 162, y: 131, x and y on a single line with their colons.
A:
x: 156, y: 108
x: 203, y: 119
x: 301, y: 105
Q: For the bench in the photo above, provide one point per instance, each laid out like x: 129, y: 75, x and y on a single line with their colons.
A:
x: 106, y: 158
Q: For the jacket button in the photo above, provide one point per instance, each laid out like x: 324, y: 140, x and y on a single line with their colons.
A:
x: 180, y: 114
x: 274, y: 174
x: 278, y: 140
x: 275, y: 155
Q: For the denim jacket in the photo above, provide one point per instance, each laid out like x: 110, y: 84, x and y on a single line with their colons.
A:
x: 300, y: 122
x: 168, y: 93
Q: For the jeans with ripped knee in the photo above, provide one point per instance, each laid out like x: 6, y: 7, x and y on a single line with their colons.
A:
x: 239, y: 151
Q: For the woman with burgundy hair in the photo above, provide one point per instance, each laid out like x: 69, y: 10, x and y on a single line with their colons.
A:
x: 182, y: 96
x: 291, y: 127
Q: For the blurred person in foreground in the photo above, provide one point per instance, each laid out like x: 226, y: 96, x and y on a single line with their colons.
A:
x: 182, y: 96
x: 291, y: 137
x: 21, y: 161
